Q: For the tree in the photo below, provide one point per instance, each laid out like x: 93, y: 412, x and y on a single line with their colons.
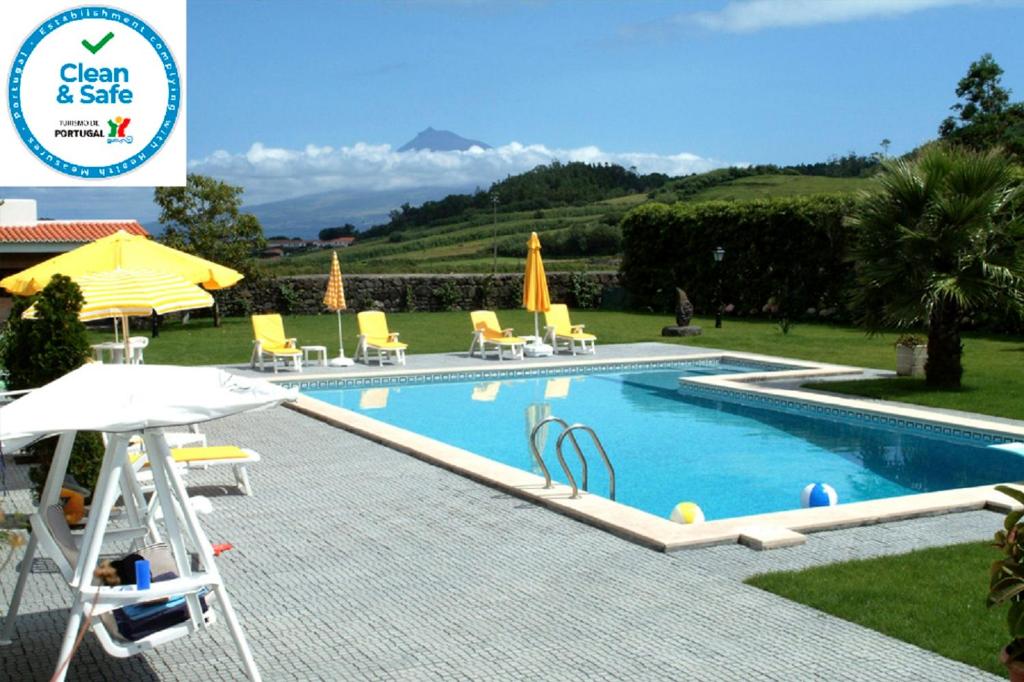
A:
x: 937, y: 243
x: 983, y: 93
x: 203, y: 218
x: 985, y: 118
x: 346, y: 230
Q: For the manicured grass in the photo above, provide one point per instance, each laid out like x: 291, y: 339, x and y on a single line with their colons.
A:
x: 933, y: 598
x: 993, y: 381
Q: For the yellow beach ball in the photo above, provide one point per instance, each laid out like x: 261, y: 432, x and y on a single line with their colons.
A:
x: 687, y: 512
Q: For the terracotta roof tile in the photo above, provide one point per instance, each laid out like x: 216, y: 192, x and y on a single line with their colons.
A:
x: 64, y: 231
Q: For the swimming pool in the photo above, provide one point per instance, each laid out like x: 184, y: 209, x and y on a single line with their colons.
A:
x: 670, y: 444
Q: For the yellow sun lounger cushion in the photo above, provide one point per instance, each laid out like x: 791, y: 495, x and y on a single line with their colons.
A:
x: 186, y: 455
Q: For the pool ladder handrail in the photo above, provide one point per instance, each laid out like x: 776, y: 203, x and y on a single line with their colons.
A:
x: 539, y: 459
x: 568, y: 432
x: 600, y: 449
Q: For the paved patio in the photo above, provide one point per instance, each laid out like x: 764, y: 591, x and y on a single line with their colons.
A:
x: 356, y: 562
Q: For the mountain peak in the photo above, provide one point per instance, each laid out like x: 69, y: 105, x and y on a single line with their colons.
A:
x: 440, y: 141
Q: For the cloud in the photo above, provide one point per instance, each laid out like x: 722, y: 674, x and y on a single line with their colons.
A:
x: 749, y: 16
x: 273, y: 173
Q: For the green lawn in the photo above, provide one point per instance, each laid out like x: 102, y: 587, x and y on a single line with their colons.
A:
x: 933, y: 598
x: 993, y: 382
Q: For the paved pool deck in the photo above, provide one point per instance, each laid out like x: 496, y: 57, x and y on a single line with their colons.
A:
x: 356, y: 562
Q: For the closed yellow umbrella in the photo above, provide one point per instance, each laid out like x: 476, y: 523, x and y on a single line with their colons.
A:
x: 535, y: 285
x: 122, y: 251
x: 334, y: 299
x: 134, y: 293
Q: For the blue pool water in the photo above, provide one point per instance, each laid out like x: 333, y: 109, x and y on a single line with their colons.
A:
x: 668, y: 446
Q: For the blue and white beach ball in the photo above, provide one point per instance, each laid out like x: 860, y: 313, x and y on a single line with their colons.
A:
x: 819, y: 495
x: 687, y: 512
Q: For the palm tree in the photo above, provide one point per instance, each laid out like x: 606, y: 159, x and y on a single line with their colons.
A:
x: 939, y: 241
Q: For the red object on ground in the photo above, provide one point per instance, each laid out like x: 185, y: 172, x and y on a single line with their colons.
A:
x: 222, y: 547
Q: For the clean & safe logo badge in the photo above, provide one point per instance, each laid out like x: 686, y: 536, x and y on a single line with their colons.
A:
x: 94, y: 92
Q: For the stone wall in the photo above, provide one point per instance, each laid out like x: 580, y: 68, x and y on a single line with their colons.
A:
x: 395, y: 293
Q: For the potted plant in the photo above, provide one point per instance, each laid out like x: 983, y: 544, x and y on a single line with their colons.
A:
x: 1006, y: 585
x: 911, y: 354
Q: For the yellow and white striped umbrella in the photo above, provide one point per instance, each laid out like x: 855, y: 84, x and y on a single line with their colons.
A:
x: 121, y: 293
x: 132, y: 293
x: 334, y: 299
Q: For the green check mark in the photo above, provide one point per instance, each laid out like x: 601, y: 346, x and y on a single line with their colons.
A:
x: 98, y: 46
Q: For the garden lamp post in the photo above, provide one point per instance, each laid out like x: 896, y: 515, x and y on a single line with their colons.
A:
x: 719, y: 253
x: 494, y: 202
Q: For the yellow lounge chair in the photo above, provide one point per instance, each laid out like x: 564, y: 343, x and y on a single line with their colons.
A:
x: 560, y: 329
x: 205, y: 457
x: 487, y: 332
x: 374, y: 335
x: 271, y: 342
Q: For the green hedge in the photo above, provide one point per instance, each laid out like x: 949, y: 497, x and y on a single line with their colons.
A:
x: 787, y: 251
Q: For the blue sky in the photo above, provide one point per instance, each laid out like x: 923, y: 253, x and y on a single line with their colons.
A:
x: 290, y: 97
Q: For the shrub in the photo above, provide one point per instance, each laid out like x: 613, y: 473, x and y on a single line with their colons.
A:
x: 447, y: 296
x: 586, y: 291
x: 287, y: 299
x: 790, y: 250
x: 36, y: 352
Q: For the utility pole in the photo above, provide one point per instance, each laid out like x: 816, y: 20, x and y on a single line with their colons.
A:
x: 494, y: 202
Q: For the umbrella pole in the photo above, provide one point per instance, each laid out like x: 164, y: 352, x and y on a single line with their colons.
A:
x: 341, y: 346
x: 536, y: 324
x: 127, y: 341
x: 341, y: 360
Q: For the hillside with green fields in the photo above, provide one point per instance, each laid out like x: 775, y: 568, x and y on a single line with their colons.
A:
x: 582, y: 235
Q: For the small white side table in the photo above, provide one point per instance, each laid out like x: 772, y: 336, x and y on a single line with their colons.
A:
x: 319, y: 351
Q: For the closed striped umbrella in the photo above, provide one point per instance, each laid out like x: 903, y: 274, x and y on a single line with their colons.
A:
x: 334, y: 299
x: 135, y: 293
x: 535, y: 285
